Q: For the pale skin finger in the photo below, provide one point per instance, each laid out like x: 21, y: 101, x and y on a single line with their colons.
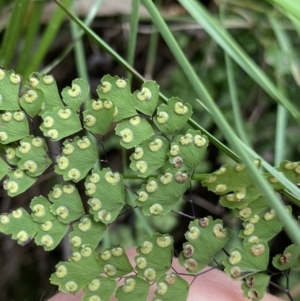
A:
x: 214, y: 285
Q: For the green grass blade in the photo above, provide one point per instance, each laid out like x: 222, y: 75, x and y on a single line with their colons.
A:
x: 291, y: 6
x: 281, y: 122
x: 13, y: 31
x: 296, y: 23
x: 79, y: 52
x: 254, y: 6
x: 89, y: 19
x: 30, y: 34
x: 236, y: 112
x: 290, y: 54
x: 134, y: 22
x: 48, y: 37
x: 291, y: 197
x: 289, y: 223
x: 47, y: 69
x: 151, y: 57
x: 77, y: 35
x: 213, y: 140
x: 91, y: 15
x: 237, y: 116
x: 224, y: 39
x: 280, y: 141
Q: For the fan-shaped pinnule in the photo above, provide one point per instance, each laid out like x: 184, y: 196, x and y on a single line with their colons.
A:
x: 171, y: 117
x: 107, y: 195
x: 50, y: 233
x: 206, y: 237
x: 54, y: 125
x: 47, y: 84
x: 19, y: 224
x: 79, y: 272
x: 134, y: 288
x: 154, y: 257
x: 291, y: 170
x: 10, y: 153
x: 254, y: 286
x: 114, y: 262
x: 264, y: 226
x: 94, y: 289
x: 18, y: 181
x: 33, y: 156
x: 77, y: 158
x: 14, y: 126
x: 172, y: 287
x: 117, y: 90
x: 86, y: 231
x: 40, y: 210
x: 75, y: 95
x: 145, y: 100
x: 66, y: 203
x: 288, y: 259
x: 134, y: 131
x: 187, y: 150
x: 150, y: 155
x: 32, y: 101
x: 159, y: 196
x: 228, y: 178
x: 251, y: 259
x: 10, y: 84
x: 98, y: 116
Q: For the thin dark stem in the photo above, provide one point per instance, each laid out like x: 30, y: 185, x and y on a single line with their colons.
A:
x: 130, y: 189
x: 43, y: 294
x: 287, y: 279
x: 191, y: 200
x: 131, y: 208
x: 225, y: 252
x: 183, y: 214
x: 104, y: 151
x: 215, y: 261
x: 31, y: 124
x: 47, y: 171
x: 282, y: 289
